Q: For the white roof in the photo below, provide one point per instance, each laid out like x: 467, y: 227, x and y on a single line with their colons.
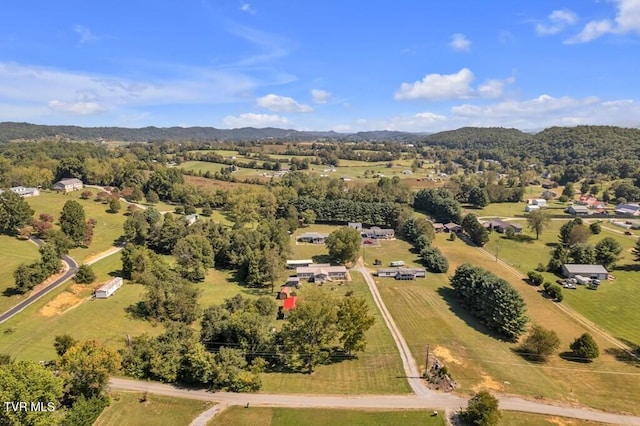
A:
x: 574, y: 268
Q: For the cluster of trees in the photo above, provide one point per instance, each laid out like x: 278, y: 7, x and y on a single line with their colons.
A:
x: 540, y: 343
x: 491, y: 299
x: 344, y: 244
x: 478, y: 234
x: 440, y: 204
x: 573, y: 247
x: 343, y: 210
x: 72, y: 389
x: 15, y: 212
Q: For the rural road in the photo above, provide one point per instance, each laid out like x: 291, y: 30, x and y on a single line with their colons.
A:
x: 71, y: 268
x: 434, y: 401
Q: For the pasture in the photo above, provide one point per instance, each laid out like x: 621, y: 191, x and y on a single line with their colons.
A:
x: 13, y: 253
x: 259, y: 416
x: 128, y: 409
x: 428, y: 314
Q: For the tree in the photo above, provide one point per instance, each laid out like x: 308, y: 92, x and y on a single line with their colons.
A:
x: 31, y: 383
x: 478, y: 197
x: 62, y: 343
x: 27, y: 276
x: 568, y: 191
x: 15, y: 212
x: 354, y: 319
x: 73, y: 222
x: 478, y: 233
x: 152, y: 197
x: 114, y: 205
x: 84, y: 275
x: 535, y: 278
x: 434, y: 260
x: 607, y: 252
x: 583, y: 254
x: 344, y: 245
x: 538, y: 221
x: 585, y: 347
x: 194, y: 256
x: 540, y: 343
x: 636, y: 251
x: 308, y: 336
x: 482, y: 410
x: 308, y: 217
x: 86, y: 368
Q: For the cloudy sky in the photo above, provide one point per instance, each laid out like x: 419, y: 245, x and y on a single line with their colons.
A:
x: 420, y: 66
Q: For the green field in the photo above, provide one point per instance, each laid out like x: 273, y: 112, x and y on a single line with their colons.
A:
x: 13, y: 253
x: 126, y: 409
x: 428, y: 314
x: 377, y: 370
x: 108, y: 227
x: 240, y: 416
x: 615, y: 306
x: 514, y: 418
x: 69, y: 310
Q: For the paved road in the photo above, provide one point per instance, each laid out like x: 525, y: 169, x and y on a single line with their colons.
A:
x: 435, y: 401
x: 71, y: 267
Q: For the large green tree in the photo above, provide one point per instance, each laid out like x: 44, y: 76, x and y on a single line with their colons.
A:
x: 31, y: 383
x: 354, y: 319
x: 86, y: 368
x: 194, y: 257
x: 585, y: 347
x: 73, y: 221
x: 482, y: 410
x: 607, y: 251
x: 15, y: 212
x: 344, y: 245
x: 538, y: 220
x: 540, y: 343
x: 474, y: 229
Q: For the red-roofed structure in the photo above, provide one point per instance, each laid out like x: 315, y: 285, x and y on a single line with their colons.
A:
x: 289, y: 303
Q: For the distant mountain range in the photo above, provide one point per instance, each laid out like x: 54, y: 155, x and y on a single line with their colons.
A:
x: 10, y: 131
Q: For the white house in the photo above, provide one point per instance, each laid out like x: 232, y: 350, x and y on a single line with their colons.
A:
x: 321, y: 272
x: 67, y: 185
x: 293, y: 264
x: 540, y: 202
x: 531, y: 207
x: 108, y: 288
x: 23, y: 191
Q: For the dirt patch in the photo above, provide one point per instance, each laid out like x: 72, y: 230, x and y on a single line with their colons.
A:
x: 64, y: 302
x: 97, y: 256
x: 445, y: 355
x: 559, y: 421
x: 488, y: 383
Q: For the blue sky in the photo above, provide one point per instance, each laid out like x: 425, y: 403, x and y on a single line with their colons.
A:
x: 419, y: 66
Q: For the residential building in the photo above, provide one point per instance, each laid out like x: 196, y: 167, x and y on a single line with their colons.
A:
x: 402, y: 273
x: 190, y: 219
x: 452, y: 227
x: 378, y: 233
x: 577, y: 210
x: 108, y: 288
x: 293, y: 264
x: 438, y: 227
x: 68, y: 185
x: 322, y: 272
x: 570, y: 270
x: 313, y: 238
x: 355, y: 225
x: 627, y: 209
x: 531, y: 207
x: 24, y: 191
x: 501, y: 226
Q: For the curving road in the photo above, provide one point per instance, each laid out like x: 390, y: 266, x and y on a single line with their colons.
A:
x: 435, y: 401
x: 71, y: 267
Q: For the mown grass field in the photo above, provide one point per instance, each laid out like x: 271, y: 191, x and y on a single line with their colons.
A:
x: 13, y: 253
x: 108, y: 227
x: 377, y: 370
x: 514, y: 418
x: 428, y: 314
x: 126, y: 409
x: 615, y: 306
x: 240, y: 416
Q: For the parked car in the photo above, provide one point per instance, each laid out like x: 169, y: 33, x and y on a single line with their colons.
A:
x: 570, y: 286
x: 628, y: 233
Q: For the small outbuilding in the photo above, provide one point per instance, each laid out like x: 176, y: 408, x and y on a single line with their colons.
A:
x: 107, y: 289
x: 599, y: 272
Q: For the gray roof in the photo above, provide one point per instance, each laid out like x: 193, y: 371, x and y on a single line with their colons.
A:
x: 70, y: 181
x: 574, y: 268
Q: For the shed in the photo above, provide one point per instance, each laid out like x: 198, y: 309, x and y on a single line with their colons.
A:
x: 570, y: 270
x: 289, y: 303
x: 578, y: 210
x: 107, y: 289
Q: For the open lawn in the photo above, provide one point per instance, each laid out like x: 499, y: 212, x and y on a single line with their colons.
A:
x: 126, y: 409
x: 108, y: 227
x: 70, y: 310
x: 13, y: 252
x: 615, y: 306
x: 514, y: 418
x: 428, y: 314
x: 206, y: 166
x: 377, y: 370
x: 240, y: 416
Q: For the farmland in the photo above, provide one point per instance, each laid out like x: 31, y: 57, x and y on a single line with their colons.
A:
x: 13, y: 252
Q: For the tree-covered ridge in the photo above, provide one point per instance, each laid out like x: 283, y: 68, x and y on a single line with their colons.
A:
x: 478, y: 138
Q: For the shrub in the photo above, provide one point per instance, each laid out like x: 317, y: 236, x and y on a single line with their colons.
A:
x: 452, y: 236
x: 85, y: 275
x: 540, y: 343
x: 595, y: 228
x: 535, y: 278
x: 585, y: 347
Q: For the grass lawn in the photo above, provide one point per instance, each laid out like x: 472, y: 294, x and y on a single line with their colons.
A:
x: 377, y: 370
x: 615, y: 306
x: 241, y: 416
x: 108, y: 227
x: 514, y: 418
x: 126, y: 409
x: 68, y: 310
x: 13, y: 253
x: 427, y: 313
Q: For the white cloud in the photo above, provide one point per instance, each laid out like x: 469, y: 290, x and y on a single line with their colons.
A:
x: 627, y: 20
x: 437, y: 87
x: 246, y: 7
x: 255, y: 120
x: 277, y: 103
x: 320, y: 96
x: 460, y: 42
x: 558, y: 21
x: 85, y: 34
x: 80, y: 108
